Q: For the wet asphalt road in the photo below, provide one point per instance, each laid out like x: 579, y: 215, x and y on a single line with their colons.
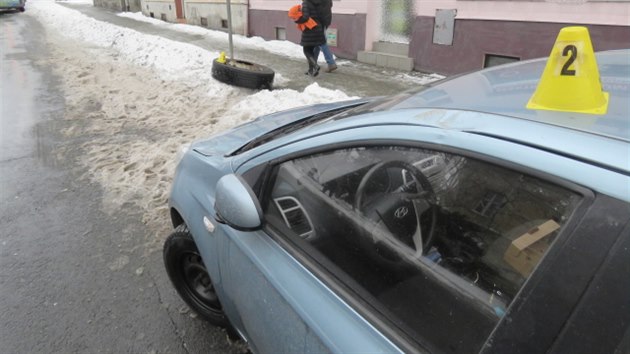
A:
x: 72, y: 278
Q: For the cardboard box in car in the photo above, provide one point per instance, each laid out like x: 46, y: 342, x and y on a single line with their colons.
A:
x: 525, y: 251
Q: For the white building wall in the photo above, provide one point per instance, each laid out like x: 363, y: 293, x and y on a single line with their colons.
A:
x: 159, y: 7
x: 215, y: 12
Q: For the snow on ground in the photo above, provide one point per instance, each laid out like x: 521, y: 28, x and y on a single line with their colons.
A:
x: 134, y: 100
x: 284, y: 48
x: 420, y: 80
x: 174, y: 60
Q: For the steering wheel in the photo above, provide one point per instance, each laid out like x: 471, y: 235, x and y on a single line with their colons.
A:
x: 400, y: 211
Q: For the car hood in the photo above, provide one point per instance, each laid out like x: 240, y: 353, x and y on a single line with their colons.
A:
x: 230, y: 141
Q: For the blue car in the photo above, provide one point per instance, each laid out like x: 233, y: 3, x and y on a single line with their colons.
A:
x: 447, y: 219
x: 7, y: 5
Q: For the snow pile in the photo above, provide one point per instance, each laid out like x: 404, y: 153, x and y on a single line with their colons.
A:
x: 173, y: 60
x: 284, y: 48
x: 133, y: 100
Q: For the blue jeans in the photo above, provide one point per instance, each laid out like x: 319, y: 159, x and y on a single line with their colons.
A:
x: 328, y: 55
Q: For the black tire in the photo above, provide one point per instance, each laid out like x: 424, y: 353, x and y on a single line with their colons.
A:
x: 190, y: 278
x: 243, y: 74
x: 22, y: 9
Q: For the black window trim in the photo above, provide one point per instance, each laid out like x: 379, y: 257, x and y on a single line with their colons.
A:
x: 561, y: 269
x: 264, y: 177
x: 609, y: 287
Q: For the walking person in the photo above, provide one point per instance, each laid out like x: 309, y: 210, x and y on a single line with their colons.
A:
x: 313, y: 34
x: 325, y: 12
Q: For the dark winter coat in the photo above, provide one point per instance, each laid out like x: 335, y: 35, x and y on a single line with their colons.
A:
x: 316, y: 36
x: 326, y: 12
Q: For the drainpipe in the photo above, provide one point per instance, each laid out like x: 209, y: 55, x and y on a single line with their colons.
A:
x: 229, y: 15
x: 246, y: 27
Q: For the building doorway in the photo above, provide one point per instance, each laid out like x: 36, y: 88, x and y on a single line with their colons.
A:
x: 179, y: 9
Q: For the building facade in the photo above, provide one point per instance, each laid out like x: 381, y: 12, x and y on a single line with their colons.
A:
x: 451, y: 36
x: 119, y: 5
x: 211, y: 14
x: 442, y: 36
x: 487, y: 32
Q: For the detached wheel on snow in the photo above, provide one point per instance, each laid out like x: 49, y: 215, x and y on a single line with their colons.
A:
x: 244, y: 74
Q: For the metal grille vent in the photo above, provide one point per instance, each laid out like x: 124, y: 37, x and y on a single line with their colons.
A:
x: 294, y: 216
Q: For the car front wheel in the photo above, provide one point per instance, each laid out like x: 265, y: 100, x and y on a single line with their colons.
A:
x: 188, y: 274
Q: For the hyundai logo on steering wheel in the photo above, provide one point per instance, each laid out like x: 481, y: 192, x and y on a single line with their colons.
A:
x: 401, y: 212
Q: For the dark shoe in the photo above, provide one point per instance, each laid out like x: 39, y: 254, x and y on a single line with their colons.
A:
x: 313, y: 70
x: 331, y: 68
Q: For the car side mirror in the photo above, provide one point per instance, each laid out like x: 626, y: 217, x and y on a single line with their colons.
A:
x: 236, y: 204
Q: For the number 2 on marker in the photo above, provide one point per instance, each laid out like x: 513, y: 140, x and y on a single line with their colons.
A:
x: 570, y: 51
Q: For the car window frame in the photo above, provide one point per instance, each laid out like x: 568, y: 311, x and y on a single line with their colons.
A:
x: 262, y: 177
x: 581, y: 274
x: 601, y: 304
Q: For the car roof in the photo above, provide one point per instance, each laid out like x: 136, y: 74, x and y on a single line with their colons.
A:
x: 505, y: 90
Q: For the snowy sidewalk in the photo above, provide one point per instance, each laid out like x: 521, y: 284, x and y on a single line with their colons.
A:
x: 284, y: 57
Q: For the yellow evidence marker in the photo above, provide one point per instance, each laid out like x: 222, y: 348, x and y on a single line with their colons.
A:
x: 571, y: 81
x: 221, y: 58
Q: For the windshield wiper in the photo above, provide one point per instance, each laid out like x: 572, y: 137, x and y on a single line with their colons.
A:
x: 290, y: 128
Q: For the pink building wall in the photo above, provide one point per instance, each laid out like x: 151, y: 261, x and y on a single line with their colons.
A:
x: 519, y: 29
x: 474, y: 39
x: 560, y: 11
x: 344, y: 14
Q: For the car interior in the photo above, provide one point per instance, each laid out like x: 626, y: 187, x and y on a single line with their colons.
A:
x: 438, y: 244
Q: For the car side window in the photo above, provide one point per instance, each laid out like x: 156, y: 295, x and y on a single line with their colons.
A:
x: 437, y: 243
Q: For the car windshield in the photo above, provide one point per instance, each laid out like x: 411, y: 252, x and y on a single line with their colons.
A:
x: 374, y: 105
x: 388, y: 102
x: 292, y: 127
